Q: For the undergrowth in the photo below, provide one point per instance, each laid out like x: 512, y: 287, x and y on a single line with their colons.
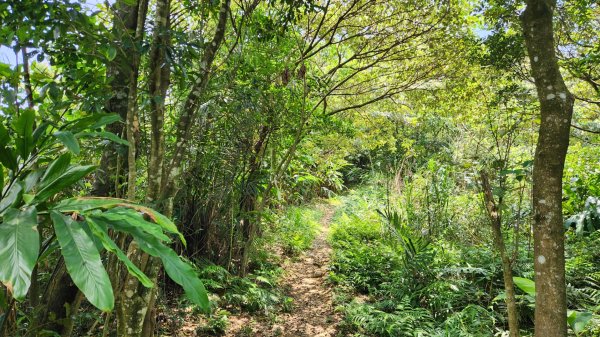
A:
x: 297, y: 228
x: 260, y: 292
x: 395, y: 279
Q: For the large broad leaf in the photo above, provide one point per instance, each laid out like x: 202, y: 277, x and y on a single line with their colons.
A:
x: 90, y: 203
x: 178, y: 270
x: 128, y: 220
x: 31, y: 180
x: 83, y: 204
x: 106, y: 135
x: 69, y: 140
x: 19, y: 249
x: 83, y: 263
x: 55, y: 170
x: 8, y: 158
x: 184, y: 274
x: 102, y: 233
x: 161, y: 220
x: 72, y: 175
x: 12, y: 197
x: 4, y: 137
x: 40, y: 131
x: 526, y: 285
x: 24, y: 128
x: 93, y: 122
x: 105, y: 120
x: 578, y: 320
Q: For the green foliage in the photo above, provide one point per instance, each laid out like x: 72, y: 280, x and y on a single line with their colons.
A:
x: 297, y: 229
x: 83, y: 261
x: 417, y: 96
x: 365, y: 267
x: 472, y: 321
x: 588, y: 220
x: 398, y: 321
x: 527, y: 285
x: 404, y: 275
x: 216, y: 324
x: 578, y: 320
x: 257, y: 293
x: 20, y: 242
x: 80, y: 225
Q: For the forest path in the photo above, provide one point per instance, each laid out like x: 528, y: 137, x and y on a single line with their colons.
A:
x: 313, y: 313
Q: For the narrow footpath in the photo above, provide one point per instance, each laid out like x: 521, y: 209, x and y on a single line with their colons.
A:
x: 313, y: 313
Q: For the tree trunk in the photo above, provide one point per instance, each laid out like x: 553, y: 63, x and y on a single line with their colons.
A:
x: 160, y: 73
x: 172, y: 172
x: 62, y: 300
x: 556, y: 109
x: 119, y: 71
x: 135, y: 302
x: 250, y: 222
x: 137, y: 306
x: 509, y: 286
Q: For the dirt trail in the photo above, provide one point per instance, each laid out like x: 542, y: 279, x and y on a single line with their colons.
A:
x: 313, y: 310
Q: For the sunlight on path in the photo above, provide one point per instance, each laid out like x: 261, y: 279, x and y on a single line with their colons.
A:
x: 313, y: 311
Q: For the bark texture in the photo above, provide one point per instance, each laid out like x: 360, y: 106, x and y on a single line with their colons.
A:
x: 509, y: 286
x: 135, y: 307
x: 172, y: 172
x: 63, y: 300
x: 556, y: 109
x: 160, y: 73
x: 119, y: 71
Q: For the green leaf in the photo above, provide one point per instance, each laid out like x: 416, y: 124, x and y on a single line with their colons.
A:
x: 93, y: 122
x: 178, y: 270
x: 4, y: 137
x: 19, y: 249
x: 126, y: 220
x: 40, y: 130
x: 102, y: 233
x: 578, y: 320
x: 110, y: 53
x: 159, y: 219
x: 106, y: 135
x: 54, y: 92
x: 55, y: 169
x: 89, y: 203
x: 184, y: 274
x: 24, y: 128
x: 83, y: 263
x: 24, y: 123
x: 82, y: 204
x: 5, y: 70
x: 8, y: 158
x: 527, y: 285
x: 67, y: 138
x: 105, y: 120
x: 12, y: 197
x: 68, y: 178
x: 27, y: 198
x: 97, y: 242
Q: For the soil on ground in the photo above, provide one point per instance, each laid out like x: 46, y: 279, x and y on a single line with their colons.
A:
x: 313, y: 313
